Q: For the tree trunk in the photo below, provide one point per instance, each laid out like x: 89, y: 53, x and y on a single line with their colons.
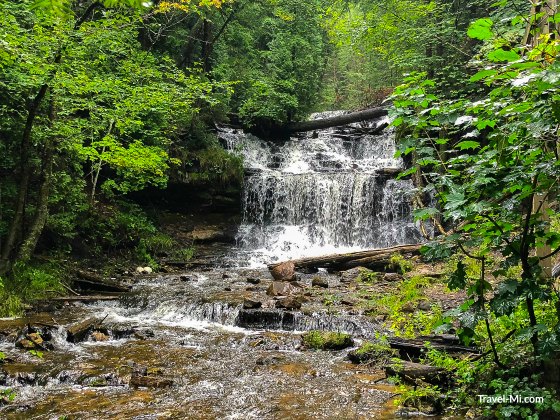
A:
x: 376, y: 258
x: 9, y: 247
x: 25, y: 175
x: 42, y: 212
x: 353, y: 117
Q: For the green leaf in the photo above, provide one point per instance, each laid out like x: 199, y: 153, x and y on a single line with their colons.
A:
x: 54, y: 7
x: 501, y: 55
x: 481, y: 125
x: 483, y: 74
x: 469, y: 144
x: 458, y: 279
x: 481, y: 29
x: 423, y: 214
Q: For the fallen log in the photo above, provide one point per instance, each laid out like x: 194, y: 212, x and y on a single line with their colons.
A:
x: 84, y: 298
x: 412, y: 348
x: 352, y: 117
x: 412, y: 372
x: 90, y: 281
x: 373, y: 259
x: 78, y: 332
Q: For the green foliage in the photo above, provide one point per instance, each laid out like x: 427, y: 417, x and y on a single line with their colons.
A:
x: 116, y: 227
x: 327, y: 340
x: 490, y: 161
x: 400, y: 263
x: 113, y: 110
x: 36, y: 353
x: 8, y: 394
x: 425, y: 398
x: 367, y: 276
x: 275, y: 53
x: 400, y: 307
x: 27, y: 283
x: 378, y: 352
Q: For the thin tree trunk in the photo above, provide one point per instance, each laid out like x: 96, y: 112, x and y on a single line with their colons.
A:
x: 99, y: 166
x: 42, y: 212
x: 25, y: 175
x: 9, y: 247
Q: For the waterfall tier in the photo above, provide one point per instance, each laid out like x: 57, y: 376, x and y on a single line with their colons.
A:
x: 322, y: 192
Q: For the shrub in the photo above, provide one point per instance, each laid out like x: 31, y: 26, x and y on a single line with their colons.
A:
x: 327, y: 340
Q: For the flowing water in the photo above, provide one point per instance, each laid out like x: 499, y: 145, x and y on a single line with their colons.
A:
x: 323, y: 192
x: 207, y: 357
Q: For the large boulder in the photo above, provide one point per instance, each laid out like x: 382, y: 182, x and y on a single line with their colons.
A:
x: 251, y: 304
x: 212, y: 234
x: 289, y: 302
x: 319, y: 281
x: 284, y: 271
x: 280, y: 288
x: 348, y: 276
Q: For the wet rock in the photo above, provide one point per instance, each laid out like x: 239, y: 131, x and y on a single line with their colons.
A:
x: 284, y: 271
x: 424, y: 305
x: 144, y: 270
x: 251, y: 304
x: 99, y: 336
x: 149, y: 382
x: 116, y: 330
x: 79, y: 331
x: 392, y: 277
x: 31, y: 341
x: 348, y: 302
x: 253, y: 280
x: 26, y: 378
x: 264, y: 318
x: 143, y: 377
x: 269, y: 360
x: 351, y: 275
x: 154, y: 371
x: 408, y: 307
x: 212, y: 234
x: 25, y: 344
x: 290, y: 302
x: 95, y: 381
x: 319, y: 281
x: 185, y: 278
x: 278, y: 288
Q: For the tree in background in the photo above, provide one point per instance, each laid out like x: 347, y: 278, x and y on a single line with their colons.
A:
x: 82, y: 101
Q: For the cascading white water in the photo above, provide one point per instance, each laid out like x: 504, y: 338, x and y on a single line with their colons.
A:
x: 320, y: 193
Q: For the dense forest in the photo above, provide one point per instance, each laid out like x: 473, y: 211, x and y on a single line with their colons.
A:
x: 103, y: 102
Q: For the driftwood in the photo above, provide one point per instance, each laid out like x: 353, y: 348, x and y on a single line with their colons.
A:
x: 77, y: 332
x: 353, y: 117
x: 411, y: 348
x: 412, y: 372
x: 374, y: 259
x: 84, y: 298
x: 90, y: 281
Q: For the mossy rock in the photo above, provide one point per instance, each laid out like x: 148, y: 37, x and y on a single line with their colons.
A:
x: 327, y: 340
x: 372, y: 352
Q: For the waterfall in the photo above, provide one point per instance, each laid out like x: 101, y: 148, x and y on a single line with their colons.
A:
x: 321, y: 192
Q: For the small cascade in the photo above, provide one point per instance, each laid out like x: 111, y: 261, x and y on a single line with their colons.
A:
x: 271, y: 319
x: 332, y: 190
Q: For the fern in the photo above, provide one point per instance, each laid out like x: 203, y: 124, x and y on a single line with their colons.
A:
x: 54, y: 7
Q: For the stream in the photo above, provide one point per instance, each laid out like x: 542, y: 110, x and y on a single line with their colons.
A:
x: 207, y: 355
